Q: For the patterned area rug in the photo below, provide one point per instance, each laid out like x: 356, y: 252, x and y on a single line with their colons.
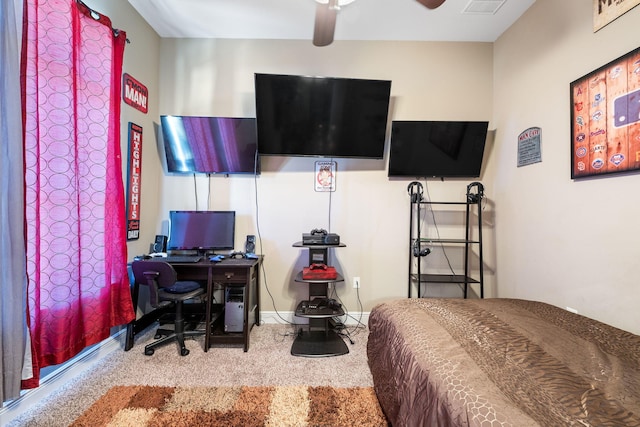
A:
x: 152, y: 406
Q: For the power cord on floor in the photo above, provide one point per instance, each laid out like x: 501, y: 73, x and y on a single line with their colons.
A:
x: 340, y: 326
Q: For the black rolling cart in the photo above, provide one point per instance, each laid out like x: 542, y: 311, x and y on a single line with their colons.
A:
x: 318, y: 339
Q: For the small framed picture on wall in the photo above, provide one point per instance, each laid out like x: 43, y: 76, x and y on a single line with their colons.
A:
x: 605, y: 119
x: 606, y: 11
x: 325, y: 176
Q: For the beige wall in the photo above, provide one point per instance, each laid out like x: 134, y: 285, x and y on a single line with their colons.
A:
x: 548, y: 237
x: 570, y: 243
x: 445, y: 81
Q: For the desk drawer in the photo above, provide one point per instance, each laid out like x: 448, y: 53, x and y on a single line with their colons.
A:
x: 192, y: 272
x: 230, y: 274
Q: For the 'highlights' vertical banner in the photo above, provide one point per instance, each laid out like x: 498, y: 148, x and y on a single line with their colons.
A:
x: 135, y: 176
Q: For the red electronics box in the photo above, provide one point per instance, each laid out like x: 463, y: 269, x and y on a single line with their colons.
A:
x: 319, y: 272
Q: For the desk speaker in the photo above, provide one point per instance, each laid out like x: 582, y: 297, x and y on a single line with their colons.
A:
x: 160, y: 244
x: 250, y: 244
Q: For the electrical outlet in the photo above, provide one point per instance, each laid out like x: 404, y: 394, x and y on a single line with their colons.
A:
x: 356, y: 283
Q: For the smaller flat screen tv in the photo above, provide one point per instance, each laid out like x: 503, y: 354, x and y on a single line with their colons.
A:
x: 210, y: 145
x: 321, y: 116
x: 201, y: 230
x: 437, y: 149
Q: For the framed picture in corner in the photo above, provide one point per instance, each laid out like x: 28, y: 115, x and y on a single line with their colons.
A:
x: 606, y: 11
x: 605, y: 119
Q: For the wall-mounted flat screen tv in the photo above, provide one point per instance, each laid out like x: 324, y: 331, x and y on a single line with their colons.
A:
x: 210, y: 145
x: 442, y: 149
x: 321, y: 116
x: 201, y: 230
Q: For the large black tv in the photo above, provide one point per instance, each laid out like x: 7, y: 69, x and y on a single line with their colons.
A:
x: 440, y: 149
x: 201, y: 230
x: 210, y: 145
x: 321, y: 116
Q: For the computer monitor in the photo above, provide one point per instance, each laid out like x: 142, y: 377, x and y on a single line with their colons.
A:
x: 201, y: 230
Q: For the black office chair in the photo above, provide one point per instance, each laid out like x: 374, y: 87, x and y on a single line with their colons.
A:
x: 164, y: 288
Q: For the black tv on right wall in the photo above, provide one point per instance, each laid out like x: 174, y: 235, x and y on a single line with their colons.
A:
x: 437, y: 149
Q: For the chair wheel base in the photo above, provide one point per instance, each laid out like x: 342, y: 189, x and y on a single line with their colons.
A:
x: 184, y: 351
x: 148, y: 352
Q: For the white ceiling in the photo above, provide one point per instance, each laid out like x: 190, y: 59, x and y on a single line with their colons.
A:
x: 404, y: 20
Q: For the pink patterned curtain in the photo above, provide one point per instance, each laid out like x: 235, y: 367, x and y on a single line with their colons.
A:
x: 74, y: 197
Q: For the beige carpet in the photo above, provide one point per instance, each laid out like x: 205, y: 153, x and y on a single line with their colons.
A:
x: 267, y: 363
x: 238, y: 406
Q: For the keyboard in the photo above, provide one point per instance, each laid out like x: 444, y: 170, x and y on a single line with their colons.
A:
x: 181, y: 258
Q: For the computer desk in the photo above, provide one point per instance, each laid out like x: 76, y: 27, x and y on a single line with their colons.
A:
x: 228, y: 272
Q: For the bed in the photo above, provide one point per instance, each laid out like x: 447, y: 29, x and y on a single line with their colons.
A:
x: 500, y: 362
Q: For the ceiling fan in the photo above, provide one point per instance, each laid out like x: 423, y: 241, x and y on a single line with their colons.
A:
x: 327, y: 11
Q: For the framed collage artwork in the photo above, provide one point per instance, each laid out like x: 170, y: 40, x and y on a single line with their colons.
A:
x: 605, y: 119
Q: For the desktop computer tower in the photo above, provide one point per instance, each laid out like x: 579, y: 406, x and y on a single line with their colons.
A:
x: 233, y: 309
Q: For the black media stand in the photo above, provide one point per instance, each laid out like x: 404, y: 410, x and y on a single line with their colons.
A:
x: 318, y: 339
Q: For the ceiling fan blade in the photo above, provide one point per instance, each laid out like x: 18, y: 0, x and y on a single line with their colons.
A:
x: 325, y: 24
x: 431, y: 4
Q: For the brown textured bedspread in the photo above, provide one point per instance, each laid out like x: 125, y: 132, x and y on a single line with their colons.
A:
x: 501, y: 362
